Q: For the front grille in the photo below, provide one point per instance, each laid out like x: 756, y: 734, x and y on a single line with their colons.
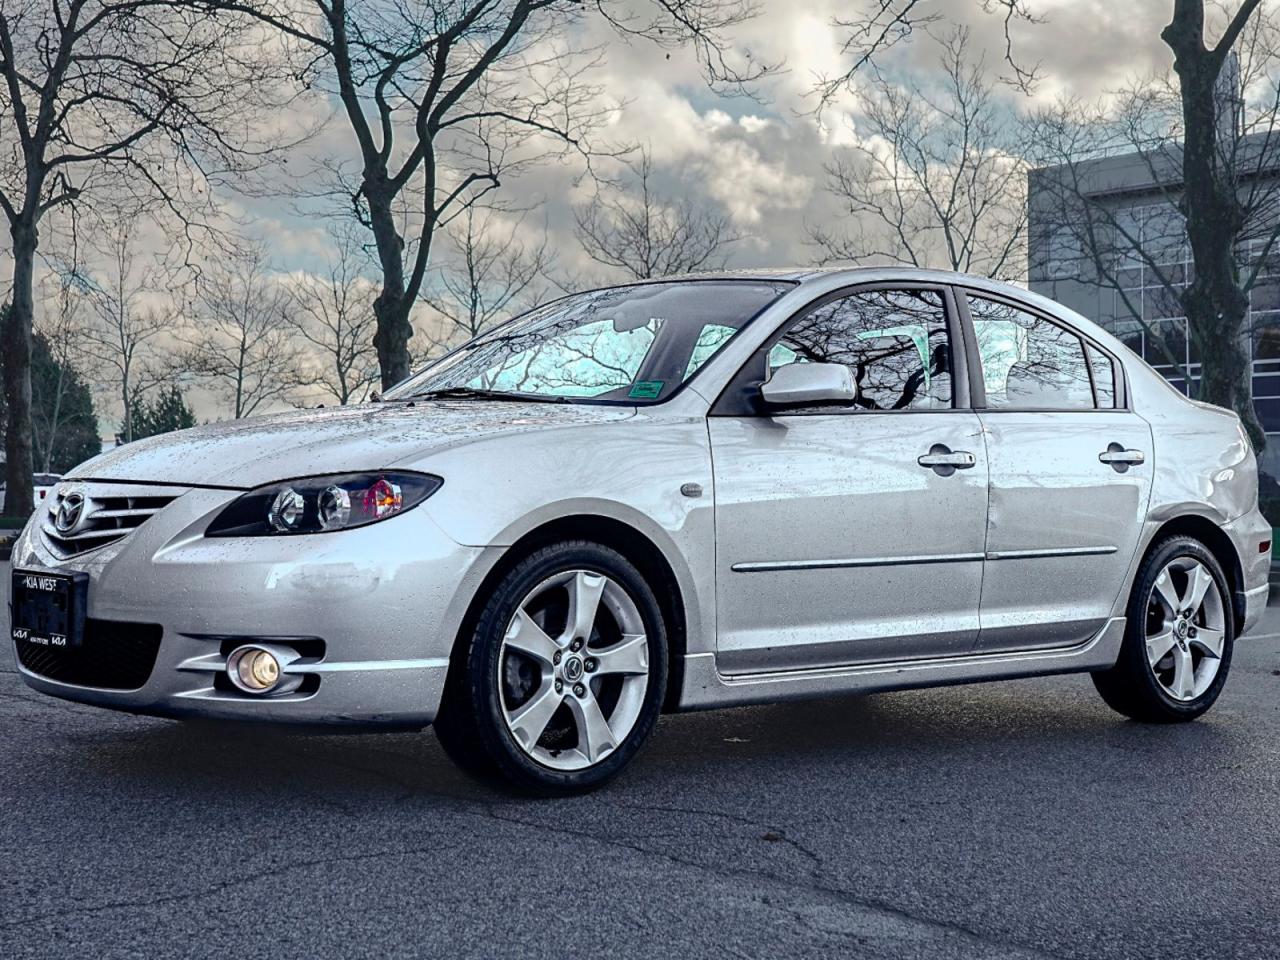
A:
x: 109, y: 512
x: 115, y: 655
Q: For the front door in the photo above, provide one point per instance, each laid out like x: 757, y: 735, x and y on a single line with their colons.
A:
x: 851, y: 534
x: 1070, y: 479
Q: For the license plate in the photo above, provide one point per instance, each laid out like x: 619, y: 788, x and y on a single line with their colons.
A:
x: 49, y: 608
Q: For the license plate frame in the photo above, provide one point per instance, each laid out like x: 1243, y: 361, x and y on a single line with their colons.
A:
x: 49, y: 609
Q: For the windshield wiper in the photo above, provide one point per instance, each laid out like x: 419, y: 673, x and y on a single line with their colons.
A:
x: 477, y: 393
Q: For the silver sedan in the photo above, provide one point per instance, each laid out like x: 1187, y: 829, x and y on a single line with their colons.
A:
x: 667, y: 496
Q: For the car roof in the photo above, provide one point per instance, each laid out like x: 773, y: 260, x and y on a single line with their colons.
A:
x: 832, y: 278
x: 825, y: 275
x: 829, y: 279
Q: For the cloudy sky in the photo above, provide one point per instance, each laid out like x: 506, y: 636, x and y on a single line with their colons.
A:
x: 759, y: 162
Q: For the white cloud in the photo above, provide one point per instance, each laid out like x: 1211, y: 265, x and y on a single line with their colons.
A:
x: 758, y: 163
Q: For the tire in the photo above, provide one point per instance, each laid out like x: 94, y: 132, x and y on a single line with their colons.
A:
x: 534, y: 680
x: 1172, y: 667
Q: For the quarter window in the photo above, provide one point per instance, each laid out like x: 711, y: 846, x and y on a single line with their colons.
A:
x: 1028, y: 362
x: 1104, y: 376
x: 894, y: 342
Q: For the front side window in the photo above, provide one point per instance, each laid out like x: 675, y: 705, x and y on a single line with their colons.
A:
x: 1028, y: 362
x: 894, y: 342
x: 633, y: 345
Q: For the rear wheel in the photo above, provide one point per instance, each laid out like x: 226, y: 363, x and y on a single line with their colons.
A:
x: 564, y: 674
x: 1178, y: 640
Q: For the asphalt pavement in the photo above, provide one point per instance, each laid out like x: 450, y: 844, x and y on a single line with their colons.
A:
x: 1017, y: 819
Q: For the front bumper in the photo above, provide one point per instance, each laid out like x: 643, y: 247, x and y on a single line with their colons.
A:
x: 386, y: 600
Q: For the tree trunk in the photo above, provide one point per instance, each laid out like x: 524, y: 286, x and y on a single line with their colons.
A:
x: 1216, y: 307
x: 126, y: 398
x: 392, y: 306
x: 47, y: 453
x: 15, y: 346
x: 1226, y: 370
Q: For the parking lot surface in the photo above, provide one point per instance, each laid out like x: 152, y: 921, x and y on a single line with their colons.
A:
x: 1020, y: 819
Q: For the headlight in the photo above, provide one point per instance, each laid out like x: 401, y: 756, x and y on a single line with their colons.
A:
x: 323, y: 504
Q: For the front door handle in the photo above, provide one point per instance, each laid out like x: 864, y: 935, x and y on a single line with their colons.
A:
x: 1121, y: 459
x: 944, y: 461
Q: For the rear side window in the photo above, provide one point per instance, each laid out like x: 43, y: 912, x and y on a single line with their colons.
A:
x: 894, y: 342
x: 1104, y: 376
x: 1028, y: 362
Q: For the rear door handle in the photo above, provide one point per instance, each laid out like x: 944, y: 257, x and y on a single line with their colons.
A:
x: 944, y: 461
x: 1121, y: 459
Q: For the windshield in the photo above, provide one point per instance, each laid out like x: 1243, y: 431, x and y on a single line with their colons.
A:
x: 633, y: 345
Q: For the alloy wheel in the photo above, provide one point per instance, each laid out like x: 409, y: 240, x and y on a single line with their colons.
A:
x: 1185, y: 628
x: 573, y: 669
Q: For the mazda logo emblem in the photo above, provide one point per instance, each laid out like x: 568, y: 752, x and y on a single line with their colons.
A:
x: 69, y: 512
x: 573, y: 669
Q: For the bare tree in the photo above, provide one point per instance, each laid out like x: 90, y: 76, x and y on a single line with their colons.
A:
x: 241, y: 341
x: 1216, y: 299
x: 132, y: 97
x: 334, y: 314
x: 476, y: 89
x: 63, y: 329
x: 488, y: 275
x: 647, y: 234
x: 876, y: 26
x: 1208, y: 233
x: 122, y: 334
x: 936, y: 178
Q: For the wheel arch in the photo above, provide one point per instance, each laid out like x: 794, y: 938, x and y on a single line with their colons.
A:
x: 1217, y: 542
x: 633, y: 544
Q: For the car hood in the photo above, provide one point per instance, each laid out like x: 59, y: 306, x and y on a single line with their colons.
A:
x: 373, y: 436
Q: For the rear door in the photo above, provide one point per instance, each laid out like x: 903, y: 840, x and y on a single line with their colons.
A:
x: 1070, y: 477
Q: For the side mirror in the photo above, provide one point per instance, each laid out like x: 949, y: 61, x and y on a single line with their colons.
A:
x: 802, y: 384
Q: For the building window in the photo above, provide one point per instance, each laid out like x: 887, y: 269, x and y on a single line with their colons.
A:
x: 1065, y: 254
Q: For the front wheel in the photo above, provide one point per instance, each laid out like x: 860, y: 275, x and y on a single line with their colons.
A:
x: 1178, y: 640
x: 564, y: 675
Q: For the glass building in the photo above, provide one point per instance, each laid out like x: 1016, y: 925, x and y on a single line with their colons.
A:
x: 1106, y: 239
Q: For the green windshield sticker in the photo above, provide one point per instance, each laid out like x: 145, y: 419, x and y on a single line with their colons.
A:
x: 646, y: 389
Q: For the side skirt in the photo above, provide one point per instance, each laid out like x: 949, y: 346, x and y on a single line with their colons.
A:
x: 706, y: 688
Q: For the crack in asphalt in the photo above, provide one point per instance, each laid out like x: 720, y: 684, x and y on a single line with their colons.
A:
x: 489, y: 810
x: 890, y: 915
x: 214, y: 889
x: 780, y: 835
x: 885, y: 911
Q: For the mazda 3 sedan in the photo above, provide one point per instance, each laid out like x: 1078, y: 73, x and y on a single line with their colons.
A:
x: 672, y: 495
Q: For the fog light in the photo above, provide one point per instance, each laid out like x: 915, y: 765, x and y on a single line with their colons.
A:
x: 260, y: 669
x: 263, y: 670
